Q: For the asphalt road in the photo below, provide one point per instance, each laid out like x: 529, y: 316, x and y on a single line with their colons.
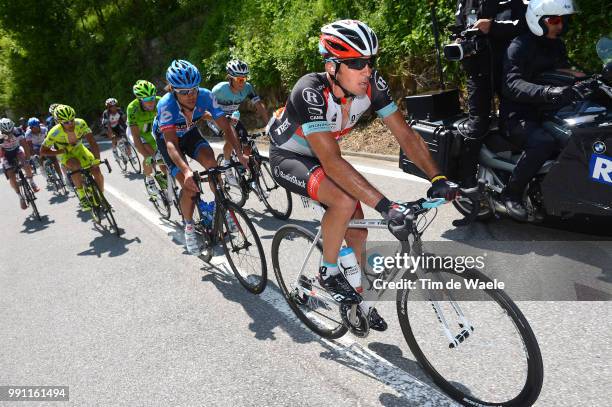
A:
x: 135, y: 321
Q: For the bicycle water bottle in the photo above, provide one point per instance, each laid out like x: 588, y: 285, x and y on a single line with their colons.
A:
x: 205, y: 213
x: 349, y: 266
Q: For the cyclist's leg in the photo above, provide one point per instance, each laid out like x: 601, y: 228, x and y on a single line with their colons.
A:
x: 9, y: 164
x: 304, y: 176
x: 356, y: 238
x: 146, y: 145
x: 57, y: 166
x: 199, y: 149
x: 25, y: 164
x: 73, y: 164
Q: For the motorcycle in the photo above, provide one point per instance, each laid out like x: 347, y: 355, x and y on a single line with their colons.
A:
x: 576, y: 185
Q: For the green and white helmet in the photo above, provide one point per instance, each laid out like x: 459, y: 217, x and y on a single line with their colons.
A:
x: 144, y: 89
x: 64, y: 113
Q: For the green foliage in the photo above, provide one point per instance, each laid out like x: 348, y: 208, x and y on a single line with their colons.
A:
x: 82, y: 51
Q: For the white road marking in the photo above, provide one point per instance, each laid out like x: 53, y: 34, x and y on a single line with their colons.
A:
x: 367, y: 361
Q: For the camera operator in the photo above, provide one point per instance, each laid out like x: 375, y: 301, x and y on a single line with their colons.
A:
x: 497, y: 22
x: 528, y: 56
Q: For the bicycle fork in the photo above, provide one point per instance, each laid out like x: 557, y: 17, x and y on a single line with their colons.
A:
x: 466, y: 328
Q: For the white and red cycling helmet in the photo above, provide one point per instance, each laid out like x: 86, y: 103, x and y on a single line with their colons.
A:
x: 346, y: 39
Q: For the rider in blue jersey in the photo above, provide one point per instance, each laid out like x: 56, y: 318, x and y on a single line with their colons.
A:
x: 230, y: 94
x: 177, y: 115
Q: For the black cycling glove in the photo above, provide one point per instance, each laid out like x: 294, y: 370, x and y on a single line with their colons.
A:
x: 399, y: 217
x: 442, y: 188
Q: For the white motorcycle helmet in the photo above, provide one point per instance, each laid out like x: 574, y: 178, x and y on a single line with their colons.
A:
x: 537, y: 9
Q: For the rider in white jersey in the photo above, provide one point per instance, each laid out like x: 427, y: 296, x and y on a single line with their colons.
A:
x: 229, y: 95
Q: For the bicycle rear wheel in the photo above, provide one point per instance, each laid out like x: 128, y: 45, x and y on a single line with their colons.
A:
x: 315, y: 311
x: 103, y: 208
x: 242, y: 247
x: 487, y: 353
x: 276, y: 198
x: 235, y: 193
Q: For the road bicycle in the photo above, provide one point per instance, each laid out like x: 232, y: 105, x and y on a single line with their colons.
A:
x: 126, y: 153
x: 258, y: 180
x: 54, y: 179
x: 26, y: 192
x: 230, y: 226
x: 480, y: 350
x: 166, y: 191
x: 99, y: 207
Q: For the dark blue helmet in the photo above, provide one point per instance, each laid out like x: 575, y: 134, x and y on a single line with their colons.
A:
x: 33, y: 122
x: 183, y: 74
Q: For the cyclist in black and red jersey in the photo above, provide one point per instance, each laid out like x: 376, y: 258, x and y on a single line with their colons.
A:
x: 305, y: 154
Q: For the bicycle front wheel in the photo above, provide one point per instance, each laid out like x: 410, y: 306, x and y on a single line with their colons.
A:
x: 30, y: 199
x: 242, y: 247
x: 159, y: 200
x: 310, y: 303
x: 276, y: 198
x: 475, y: 344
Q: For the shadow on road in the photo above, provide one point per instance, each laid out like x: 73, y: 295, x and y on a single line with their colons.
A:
x: 509, y: 237
x: 33, y: 225
x: 58, y: 198
x: 108, y: 243
x: 269, y: 312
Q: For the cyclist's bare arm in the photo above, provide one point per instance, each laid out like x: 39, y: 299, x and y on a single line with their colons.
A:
x: 412, y: 144
x: 136, y: 137
x: 174, y: 152
x: 26, y: 148
x: 46, y: 151
x: 261, y: 111
x: 341, y: 171
x: 93, y: 145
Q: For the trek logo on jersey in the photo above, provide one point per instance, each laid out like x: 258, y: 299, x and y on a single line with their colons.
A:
x: 312, y: 97
x: 600, y: 168
x: 291, y: 178
x: 284, y: 126
x: 380, y: 82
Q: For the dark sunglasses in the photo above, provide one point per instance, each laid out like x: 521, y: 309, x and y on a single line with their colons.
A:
x: 148, y: 99
x: 554, y: 20
x: 359, y: 63
x: 68, y: 122
x: 183, y: 92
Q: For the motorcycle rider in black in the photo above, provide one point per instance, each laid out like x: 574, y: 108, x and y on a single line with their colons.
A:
x: 499, y: 22
x: 528, y: 56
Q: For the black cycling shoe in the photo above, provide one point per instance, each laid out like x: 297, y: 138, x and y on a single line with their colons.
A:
x: 377, y: 322
x: 340, y: 289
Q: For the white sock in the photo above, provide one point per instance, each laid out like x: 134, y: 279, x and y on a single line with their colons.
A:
x: 328, y: 269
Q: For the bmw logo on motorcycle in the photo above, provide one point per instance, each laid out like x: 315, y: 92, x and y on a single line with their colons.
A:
x: 599, y: 147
